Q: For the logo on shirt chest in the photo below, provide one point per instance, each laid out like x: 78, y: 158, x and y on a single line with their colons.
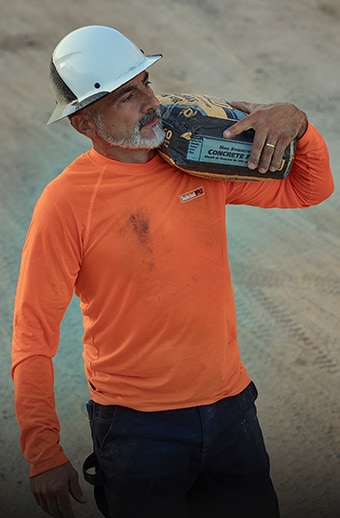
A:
x: 191, y: 195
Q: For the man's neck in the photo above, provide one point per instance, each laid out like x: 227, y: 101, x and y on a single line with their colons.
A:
x: 131, y: 156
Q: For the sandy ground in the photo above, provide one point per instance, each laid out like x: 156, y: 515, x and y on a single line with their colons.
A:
x: 285, y: 264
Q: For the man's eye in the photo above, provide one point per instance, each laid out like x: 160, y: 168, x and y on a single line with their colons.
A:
x: 127, y: 98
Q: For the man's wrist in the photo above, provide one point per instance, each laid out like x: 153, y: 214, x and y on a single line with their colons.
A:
x: 304, y: 127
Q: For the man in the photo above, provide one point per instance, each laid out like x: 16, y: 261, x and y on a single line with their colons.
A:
x: 172, y: 412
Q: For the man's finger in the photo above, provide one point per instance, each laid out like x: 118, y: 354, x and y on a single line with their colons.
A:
x: 64, y: 506
x: 54, y: 509
x: 244, y: 124
x: 266, y: 159
x: 258, y: 153
x: 277, y: 156
x: 237, y: 128
x: 76, y: 490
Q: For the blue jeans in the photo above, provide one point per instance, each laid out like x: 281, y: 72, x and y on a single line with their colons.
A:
x: 201, y: 462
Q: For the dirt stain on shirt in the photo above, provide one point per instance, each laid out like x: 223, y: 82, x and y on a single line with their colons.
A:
x: 140, y: 226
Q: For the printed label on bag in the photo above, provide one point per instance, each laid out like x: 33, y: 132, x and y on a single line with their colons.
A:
x: 210, y: 150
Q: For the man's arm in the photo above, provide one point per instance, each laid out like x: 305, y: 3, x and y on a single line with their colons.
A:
x: 310, y: 180
x: 49, y: 267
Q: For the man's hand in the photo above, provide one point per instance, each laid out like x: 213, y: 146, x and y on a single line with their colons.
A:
x: 275, y: 125
x: 52, y: 490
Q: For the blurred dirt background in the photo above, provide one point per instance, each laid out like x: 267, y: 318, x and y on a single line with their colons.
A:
x: 285, y: 264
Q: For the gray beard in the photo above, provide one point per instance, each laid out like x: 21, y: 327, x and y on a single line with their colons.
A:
x: 136, y: 141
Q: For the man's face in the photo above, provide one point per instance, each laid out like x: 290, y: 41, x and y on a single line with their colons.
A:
x: 129, y: 117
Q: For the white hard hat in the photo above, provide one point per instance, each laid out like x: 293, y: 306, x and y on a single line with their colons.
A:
x: 91, y: 62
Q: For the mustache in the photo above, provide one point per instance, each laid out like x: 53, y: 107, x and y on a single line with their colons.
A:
x: 149, y: 117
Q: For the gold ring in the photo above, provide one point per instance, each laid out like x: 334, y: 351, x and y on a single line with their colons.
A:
x: 270, y: 145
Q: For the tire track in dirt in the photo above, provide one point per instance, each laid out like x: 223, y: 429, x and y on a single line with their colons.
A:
x: 276, y: 296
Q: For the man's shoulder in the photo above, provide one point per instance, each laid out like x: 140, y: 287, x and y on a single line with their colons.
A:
x: 81, y: 171
x: 72, y: 188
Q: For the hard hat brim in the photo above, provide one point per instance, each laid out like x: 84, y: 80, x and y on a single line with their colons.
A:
x: 62, y: 111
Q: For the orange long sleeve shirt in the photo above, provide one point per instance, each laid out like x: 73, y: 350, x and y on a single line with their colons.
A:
x: 144, y: 248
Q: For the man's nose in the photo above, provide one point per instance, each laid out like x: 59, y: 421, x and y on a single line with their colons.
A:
x: 151, y: 101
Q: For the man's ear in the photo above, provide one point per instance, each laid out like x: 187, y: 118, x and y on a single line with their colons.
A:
x: 84, y: 124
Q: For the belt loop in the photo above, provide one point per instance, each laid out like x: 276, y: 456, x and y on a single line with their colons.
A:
x: 96, y: 478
